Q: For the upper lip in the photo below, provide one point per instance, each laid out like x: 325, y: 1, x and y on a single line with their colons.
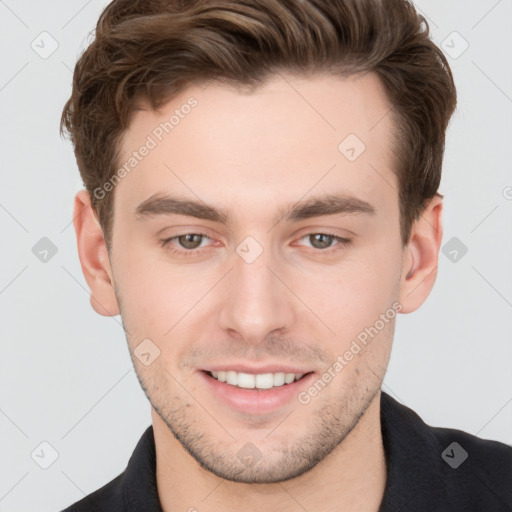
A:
x: 251, y: 369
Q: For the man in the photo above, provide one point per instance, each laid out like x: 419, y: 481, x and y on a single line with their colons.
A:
x: 261, y: 202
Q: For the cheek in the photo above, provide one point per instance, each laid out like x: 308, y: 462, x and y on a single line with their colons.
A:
x: 160, y: 300
x: 352, y: 295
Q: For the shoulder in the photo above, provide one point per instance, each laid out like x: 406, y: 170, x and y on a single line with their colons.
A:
x: 134, y: 489
x: 475, y: 467
x: 442, y: 469
x: 484, y: 451
x: 109, y: 497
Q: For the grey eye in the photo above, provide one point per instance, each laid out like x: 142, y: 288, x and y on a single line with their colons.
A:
x: 321, y: 240
x: 190, y: 240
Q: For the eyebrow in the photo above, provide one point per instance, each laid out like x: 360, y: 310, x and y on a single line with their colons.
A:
x: 327, y: 204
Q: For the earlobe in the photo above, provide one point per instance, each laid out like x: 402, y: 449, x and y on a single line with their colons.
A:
x: 419, y: 269
x: 94, y: 257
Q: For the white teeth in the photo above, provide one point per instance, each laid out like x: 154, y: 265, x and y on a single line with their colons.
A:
x: 231, y: 378
x: 264, y: 381
x: 246, y: 380
x: 289, y: 378
x: 278, y: 379
x: 259, y: 381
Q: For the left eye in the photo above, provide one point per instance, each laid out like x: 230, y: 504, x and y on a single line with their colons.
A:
x: 325, y: 240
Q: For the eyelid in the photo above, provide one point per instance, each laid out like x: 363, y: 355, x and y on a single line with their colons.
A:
x: 167, y: 242
x: 342, y: 242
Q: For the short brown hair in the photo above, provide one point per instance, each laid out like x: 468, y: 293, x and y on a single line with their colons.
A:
x: 155, y: 49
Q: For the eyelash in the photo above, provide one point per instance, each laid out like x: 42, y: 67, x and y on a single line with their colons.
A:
x: 342, y: 243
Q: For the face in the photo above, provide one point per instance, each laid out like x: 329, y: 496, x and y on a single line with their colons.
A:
x: 254, y: 242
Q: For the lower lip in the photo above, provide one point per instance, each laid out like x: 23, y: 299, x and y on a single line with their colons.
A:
x: 256, y: 401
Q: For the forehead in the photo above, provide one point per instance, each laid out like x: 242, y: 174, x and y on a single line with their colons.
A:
x: 237, y: 146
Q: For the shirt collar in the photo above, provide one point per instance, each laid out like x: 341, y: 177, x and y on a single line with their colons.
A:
x: 414, y: 471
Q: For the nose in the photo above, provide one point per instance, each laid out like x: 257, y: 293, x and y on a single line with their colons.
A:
x: 257, y: 300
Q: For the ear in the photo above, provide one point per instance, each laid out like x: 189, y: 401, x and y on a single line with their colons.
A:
x: 94, y: 257
x: 421, y: 254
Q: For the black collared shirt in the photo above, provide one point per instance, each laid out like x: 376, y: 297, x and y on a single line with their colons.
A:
x: 430, y: 469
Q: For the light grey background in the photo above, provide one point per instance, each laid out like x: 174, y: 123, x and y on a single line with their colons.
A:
x: 66, y: 375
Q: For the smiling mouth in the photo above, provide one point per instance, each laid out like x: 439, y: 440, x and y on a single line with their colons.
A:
x: 259, y: 381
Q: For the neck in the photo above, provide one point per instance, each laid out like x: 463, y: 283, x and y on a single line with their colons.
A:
x: 351, y: 478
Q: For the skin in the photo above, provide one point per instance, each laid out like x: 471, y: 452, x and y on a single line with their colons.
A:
x: 250, y: 153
